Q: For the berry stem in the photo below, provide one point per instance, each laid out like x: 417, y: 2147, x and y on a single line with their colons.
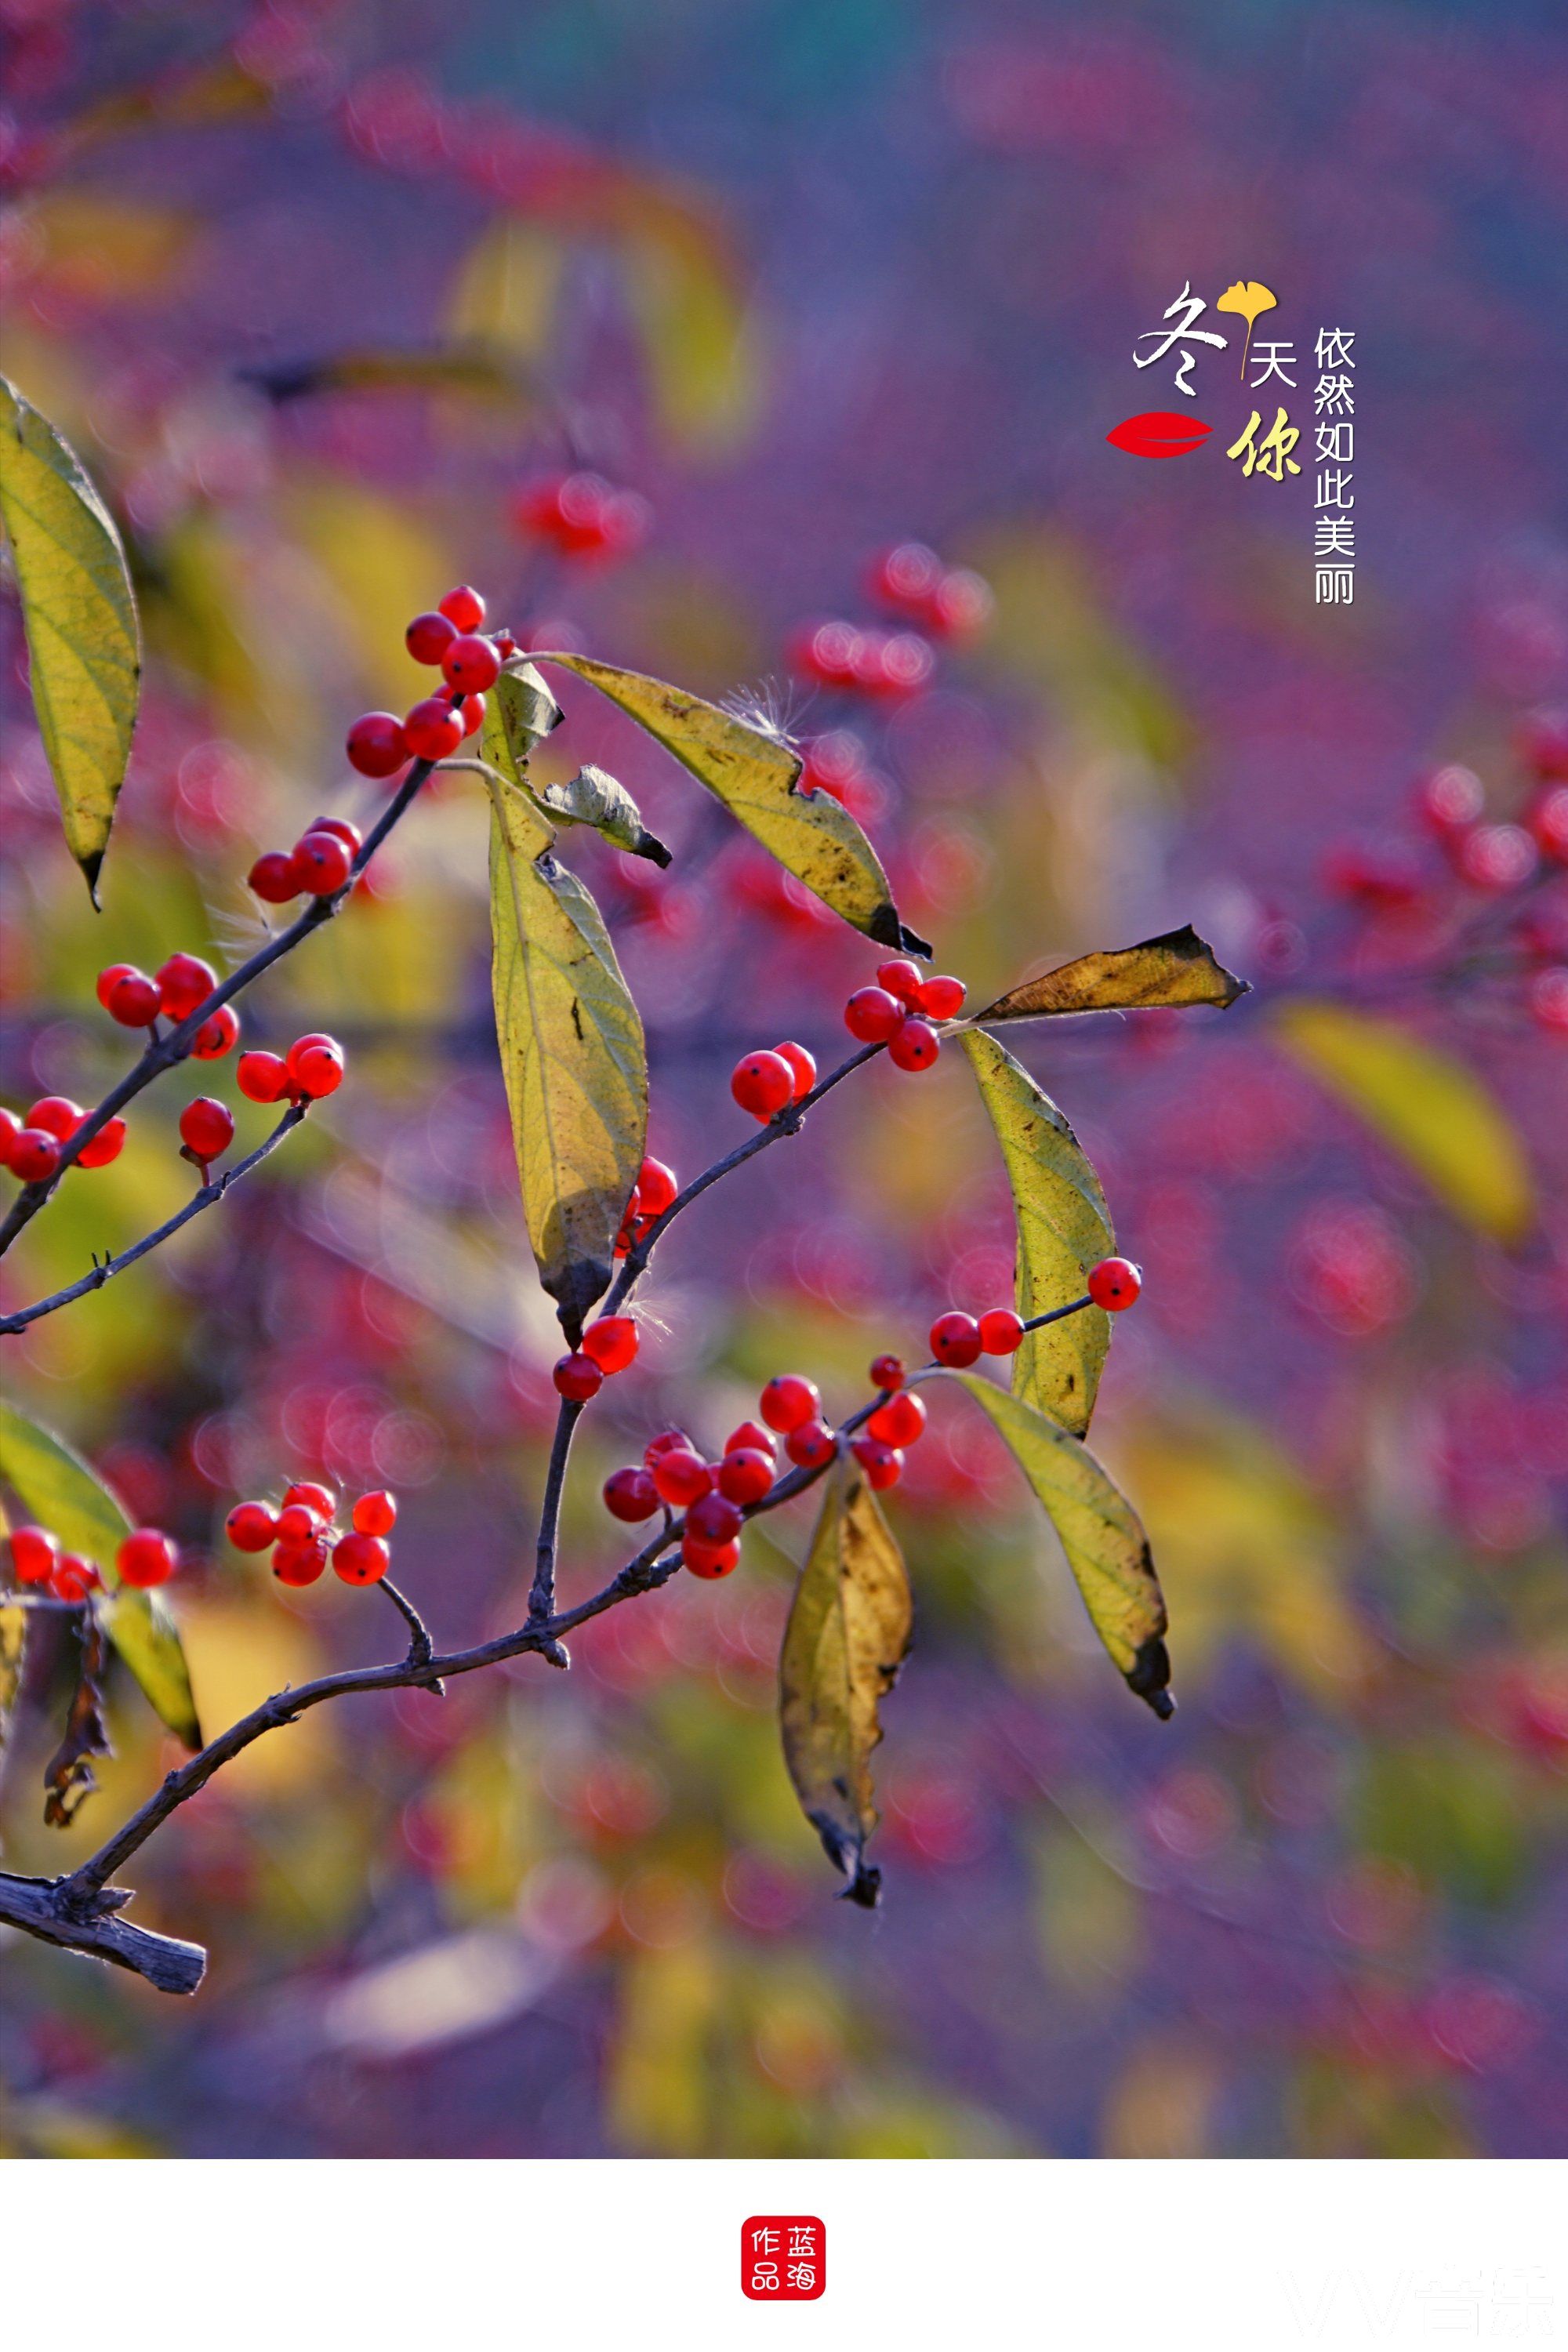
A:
x: 204, y: 1198
x: 421, y: 1649
x: 164, y: 1052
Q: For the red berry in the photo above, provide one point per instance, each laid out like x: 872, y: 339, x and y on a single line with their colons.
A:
x: 464, y: 608
x: 655, y: 1188
x: 1544, y: 745
x: 962, y: 605
x: 802, y: 1067
x: 1549, y: 1000
x: 263, y: 1078
x: 207, y: 1129
x: 810, y: 1445
x: 942, y: 997
x: 183, y: 983
x: 872, y: 1015
x: 630, y: 1495
x: 1450, y: 800
x: 361, y: 1560
x: 955, y: 1340
x: 275, y: 879
x: 470, y: 664
x: 612, y: 1342
x: 134, y: 1001
x: 788, y: 1401
x: 218, y: 1033
x: 317, y: 1498
x: 74, y: 1579
x: 33, y: 1552
x: 902, y: 979
x: 10, y: 1128
x: 428, y: 636
x: 899, y: 1420
x: 681, y: 1477
x: 315, y: 1065
x: 887, y: 1372
x: 883, y: 1464
x: 752, y: 1437
x: 913, y: 1045
x: 713, y: 1518
x: 762, y: 1084
x: 1546, y: 819
x: 251, y: 1527
x: 1496, y: 857
x: 1000, y: 1331
x: 378, y: 745
x: 105, y: 1146
x: 375, y: 1514
x: 34, y: 1155
x: 299, y: 1523
x: 578, y: 1377
x: 324, y: 861
x: 341, y: 825
x: 56, y: 1115
x: 828, y: 652
x: 147, y: 1558
x: 908, y: 578
x: 299, y: 1563
x: 1114, y: 1283
x: 433, y: 729
x: 472, y: 713
x: 745, y: 1474
x: 108, y: 977
x: 668, y: 1441
x: 710, y: 1560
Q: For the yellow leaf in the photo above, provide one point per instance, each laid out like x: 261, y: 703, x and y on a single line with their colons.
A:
x: 848, y: 1634
x: 99, y: 248
x: 1176, y: 969
x: 80, y: 618
x: 572, y: 1054
x: 1064, y: 1228
x: 755, y: 775
x: 147, y: 1638
x: 1106, y: 1546
x: 696, y: 329
x: 1248, y: 299
x: 383, y: 565
x: 1430, y: 1108
x: 506, y: 289
x: 13, y: 1637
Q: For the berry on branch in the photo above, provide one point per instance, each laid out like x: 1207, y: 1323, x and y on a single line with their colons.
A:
x: 612, y: 1342
x: 630, y: 1495
x: 577, y: 1378
x: 1114, y: 1284
x: 361, y: 1560
x: 147, y: 1558
x: 428, y: 636
x: 251, y: 1527
x: 872, y: 1015
x: 762, y: 1084
x: 375, y: 1514
x: 914, y: 1045
x: 464, y: 608
x: 1000, y: 1331
x: 378, y: 745
x: 183, y: 983
x: 262, y: 1078
x: 218, y: 1034
x: 788, y: 1401
x: 955, y: 1340
x: 899, y: 1420
x: 207, y: 1130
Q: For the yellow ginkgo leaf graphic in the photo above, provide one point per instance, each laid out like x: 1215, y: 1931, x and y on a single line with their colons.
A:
x: 1248, y: 299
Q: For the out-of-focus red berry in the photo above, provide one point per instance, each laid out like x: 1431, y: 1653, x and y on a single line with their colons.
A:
x: 33, y: 1552
x: 361, y: 1560
x: 713, y: 1518
x: 955, y: 1340
x: 1548, y: 1000
x: 827, y: 652
x: 752, y: 1437
x: 789, y: 1400
x: 1114, y: 1284
x: 1546, y: 821
x: 300, y: 1563
x: 147, y: 1558
x: 710, y: 1560
x: 810, y: 1446
x: 1544, y: 745
x: 74, y: 1579
x: 1450, y: 800
x: 375, y: 1514
x: 899, y: 1420
x: 942, y: 997
x: 1495, y: 857
x: 883, y: 1464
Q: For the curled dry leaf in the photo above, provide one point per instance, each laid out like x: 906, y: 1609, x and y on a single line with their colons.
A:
x: 13, y: 1640
x: 1100, y: 1533
x: 594, y: 797
x: 1176, y: 969
x: 848, y: 1634
x: 1064, y: 1228
x: 83, y: 645
x: 69, y: 1776
x: 754, y: 775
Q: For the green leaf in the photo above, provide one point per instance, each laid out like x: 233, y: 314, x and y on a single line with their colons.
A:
x: 847, y: 1635
x: 148, y: 1640
x: 13, y: 1640
x: 79, y: 614
x: 1177, y: 968
x: 1064, y: 1228
x: 754, y: 775
x: 1433, y: 1111
x: 1100, y: 1533
x: 69, y: 1499
x: 593, y: 797
x: 572, y: 1054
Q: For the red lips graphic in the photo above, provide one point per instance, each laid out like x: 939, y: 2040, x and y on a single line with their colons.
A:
x: 1159, y: 433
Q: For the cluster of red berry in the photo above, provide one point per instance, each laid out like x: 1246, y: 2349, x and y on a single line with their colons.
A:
x: 320, y: 863
x: 300, y: 1534
x: 912, y: 582
x: 764, y: 1082
x: 653, y: 1192
x: 958, y: 1339
x: 30, y: 1146
x: 715, y: 1495
x: 580, y: 514
x: 313, y: 1067
x: 174, y: 990
x: 608, y: 1346
x: 898, y: 1012
x: 147, y: 1557
x: 449, y: 638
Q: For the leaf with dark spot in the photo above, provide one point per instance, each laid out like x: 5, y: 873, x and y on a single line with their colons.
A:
x: 1176, y: 969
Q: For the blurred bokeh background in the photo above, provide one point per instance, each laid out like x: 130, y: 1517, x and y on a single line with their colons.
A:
x: 319, y: 291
